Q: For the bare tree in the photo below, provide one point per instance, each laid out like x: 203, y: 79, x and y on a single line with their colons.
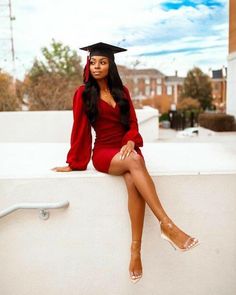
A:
x: 197, y: 85
x: 50, y: 83
x: 8, y: 98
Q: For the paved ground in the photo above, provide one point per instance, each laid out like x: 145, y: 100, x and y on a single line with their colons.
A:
x: 205, y: 135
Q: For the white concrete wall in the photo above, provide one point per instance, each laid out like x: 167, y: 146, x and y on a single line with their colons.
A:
x: 55, y: 126
x: 84, y: 249
x: 231, y: 85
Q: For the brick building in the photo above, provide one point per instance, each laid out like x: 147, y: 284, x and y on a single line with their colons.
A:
x: 231, y: 68
x: 219, y: 84
x: 152, y: 87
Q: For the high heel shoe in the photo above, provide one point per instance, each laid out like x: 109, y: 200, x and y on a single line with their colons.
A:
x: 135, y: 278
x: 186, y: 246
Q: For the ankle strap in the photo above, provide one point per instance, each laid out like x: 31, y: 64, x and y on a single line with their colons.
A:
x: 166, y: 221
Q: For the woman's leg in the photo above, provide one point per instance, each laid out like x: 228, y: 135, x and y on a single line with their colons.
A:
x: 136, y: 208
x: 144, y: 184
x: 141, y: 178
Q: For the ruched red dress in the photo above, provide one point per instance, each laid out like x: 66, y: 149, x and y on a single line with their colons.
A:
x: 110, y: 134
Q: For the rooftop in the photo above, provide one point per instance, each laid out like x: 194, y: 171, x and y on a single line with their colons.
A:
x: 128, y: 71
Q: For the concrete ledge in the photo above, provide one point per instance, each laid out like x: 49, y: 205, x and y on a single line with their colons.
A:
x: 55, y: 126
x: 84, y: 249
x: 30, y: 160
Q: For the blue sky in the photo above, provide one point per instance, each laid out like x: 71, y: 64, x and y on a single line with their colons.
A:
x: 166, y: 35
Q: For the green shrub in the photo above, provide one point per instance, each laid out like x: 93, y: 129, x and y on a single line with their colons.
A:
x: 164, y: 117
x: 217, y: 121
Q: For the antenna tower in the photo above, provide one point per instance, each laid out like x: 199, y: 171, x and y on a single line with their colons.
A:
x: 7, y: 51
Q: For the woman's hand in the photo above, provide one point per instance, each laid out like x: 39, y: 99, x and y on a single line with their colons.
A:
x: 62, y: 169
x: 127, y: 149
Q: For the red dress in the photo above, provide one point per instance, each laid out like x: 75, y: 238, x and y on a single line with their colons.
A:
x: 110, y: 134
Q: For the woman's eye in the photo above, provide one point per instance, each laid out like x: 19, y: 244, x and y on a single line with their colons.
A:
x: 101, y: 63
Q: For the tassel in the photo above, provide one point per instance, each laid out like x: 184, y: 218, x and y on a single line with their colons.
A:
x: 86, y: 70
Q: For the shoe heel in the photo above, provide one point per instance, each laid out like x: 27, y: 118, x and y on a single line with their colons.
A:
x: 164, y: 237
x: 136, y: 280
x: 191, y: 246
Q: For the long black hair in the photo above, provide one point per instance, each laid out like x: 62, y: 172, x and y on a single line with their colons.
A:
x: 92, y: 92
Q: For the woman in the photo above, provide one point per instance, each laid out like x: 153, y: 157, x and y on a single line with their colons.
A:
x: 105, y: 104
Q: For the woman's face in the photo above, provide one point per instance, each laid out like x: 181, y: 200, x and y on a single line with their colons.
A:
x: 99, y: 67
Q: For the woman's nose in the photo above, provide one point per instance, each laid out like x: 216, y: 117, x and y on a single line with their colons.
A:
x: 97, y: 65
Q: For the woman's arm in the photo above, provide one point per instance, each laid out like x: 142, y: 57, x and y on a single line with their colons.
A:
x: 81, y: 138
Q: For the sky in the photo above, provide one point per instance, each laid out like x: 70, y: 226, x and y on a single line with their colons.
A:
x: 166, y: 35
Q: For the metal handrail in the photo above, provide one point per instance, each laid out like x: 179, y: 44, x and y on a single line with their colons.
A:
x: 43, y: 213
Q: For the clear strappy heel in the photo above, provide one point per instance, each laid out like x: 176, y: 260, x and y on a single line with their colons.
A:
x: 135, y: 278
x: 186, y: 247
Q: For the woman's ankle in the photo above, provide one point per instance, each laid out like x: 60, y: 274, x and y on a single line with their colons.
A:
x: 165, y: 220
x: 136, y: 245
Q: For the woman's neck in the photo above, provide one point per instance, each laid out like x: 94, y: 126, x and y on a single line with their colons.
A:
x: 102, y: 84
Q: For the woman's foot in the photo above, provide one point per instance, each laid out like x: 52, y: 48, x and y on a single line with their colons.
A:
x: 135, y: 266
x: 178, y: 239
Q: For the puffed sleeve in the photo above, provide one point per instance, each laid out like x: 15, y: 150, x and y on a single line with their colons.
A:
x: 133, y: 132
x: 81, y: 138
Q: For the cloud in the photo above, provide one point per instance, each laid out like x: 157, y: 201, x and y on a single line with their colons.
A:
x: 151, y: 30
x: 188, y: 50
x: 165, y: 26
x: 180, y: 39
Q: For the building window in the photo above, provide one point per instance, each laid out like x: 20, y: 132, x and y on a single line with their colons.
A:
x: 147, y: 90
x: 135, y: 79
x: 169, y: 90
x: 159, y: 90
x: 147, y: 81
x: 159, y: 81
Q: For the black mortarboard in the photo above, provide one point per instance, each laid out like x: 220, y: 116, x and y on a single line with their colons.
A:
x: 103, y: 49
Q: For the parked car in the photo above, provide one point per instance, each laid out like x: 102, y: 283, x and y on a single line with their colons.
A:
x: 191, y: 132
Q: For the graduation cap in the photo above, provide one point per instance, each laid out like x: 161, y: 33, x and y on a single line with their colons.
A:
x: 103, y: 49
x: 99, y: 49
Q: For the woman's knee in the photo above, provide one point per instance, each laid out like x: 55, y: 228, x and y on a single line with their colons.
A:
x: 136, y: 161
